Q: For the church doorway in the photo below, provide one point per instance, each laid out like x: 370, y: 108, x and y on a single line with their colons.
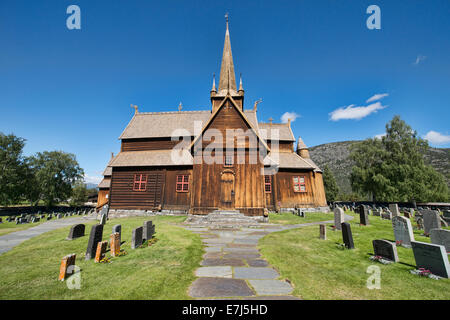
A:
x: 227, y: 189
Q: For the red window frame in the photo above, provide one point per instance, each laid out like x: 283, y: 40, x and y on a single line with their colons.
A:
x: 299, y: 186
x: 182, y: 184
x: 267, y: 184
x: 140, y: 182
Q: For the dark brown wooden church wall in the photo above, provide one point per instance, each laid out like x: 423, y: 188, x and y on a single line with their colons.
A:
x: 174, y: 200
x: 148, y: 144
x: 286, y: 146
x: 285, y: 193
x: 122, y: 195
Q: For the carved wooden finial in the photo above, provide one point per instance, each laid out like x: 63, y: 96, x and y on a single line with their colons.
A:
x: 180, y: 106
x: 135, y: 109
x: 289, y: 122
x: 255, y: 107
x: 112, y: 155
x: 270, y: 120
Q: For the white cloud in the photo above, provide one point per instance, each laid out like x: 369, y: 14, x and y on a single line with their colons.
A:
x: 289, y: 115
x: 379, y: 136
x: 419, y: 59
x: 92, y: 179
x: 355, y: 113
x: 437, y: 138
x: 376, y: 97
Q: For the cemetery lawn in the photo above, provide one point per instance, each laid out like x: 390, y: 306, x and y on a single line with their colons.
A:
x: 159, y: 272
x: 319, y: 269
x: 290, y: 218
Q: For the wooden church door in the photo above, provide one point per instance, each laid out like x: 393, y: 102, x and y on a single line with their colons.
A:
x: 227, y: 190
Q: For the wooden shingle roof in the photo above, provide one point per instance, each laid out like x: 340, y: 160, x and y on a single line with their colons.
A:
x: 284, y: 132
x: 152, y: 158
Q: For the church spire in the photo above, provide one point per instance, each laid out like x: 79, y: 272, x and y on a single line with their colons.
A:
x: 227, y: 80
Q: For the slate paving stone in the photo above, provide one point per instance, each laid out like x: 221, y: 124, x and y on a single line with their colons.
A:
x: 246, y: 241
x: 223, y: 262
x: 241, y: 250
x: 219, y: 287
x: 255, y: 273
x: 213, y: 249
x: 240, y: 245
x: 213, y: 255
x: 218, y: 240
x: 245, y: 256
x: 214, y: 272
x: 208, y: 236
x: 259, y: 233
x: 271, y: 287
x: 257, y: 263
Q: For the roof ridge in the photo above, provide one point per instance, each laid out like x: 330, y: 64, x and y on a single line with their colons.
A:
x: 173, y: 112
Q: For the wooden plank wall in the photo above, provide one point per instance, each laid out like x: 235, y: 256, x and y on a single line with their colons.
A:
x: 122, y: 195
x: 174, y: 200
x: 148, y: 144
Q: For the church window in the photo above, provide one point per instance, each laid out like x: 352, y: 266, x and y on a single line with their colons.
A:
x: 140, y: 182
x: 299, y: 183
x: 182, y: 183
x: 267, y: 184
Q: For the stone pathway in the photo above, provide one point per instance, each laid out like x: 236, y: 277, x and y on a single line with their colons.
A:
x: 232, y: 266
x: 10, y: 240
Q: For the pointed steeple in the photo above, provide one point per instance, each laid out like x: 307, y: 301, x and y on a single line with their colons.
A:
x: 302, y: 149
x: 227, y: 82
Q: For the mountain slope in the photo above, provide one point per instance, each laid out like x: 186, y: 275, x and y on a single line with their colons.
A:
x: 336, y: 156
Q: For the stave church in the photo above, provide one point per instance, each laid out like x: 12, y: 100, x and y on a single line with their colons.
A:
x: 218, y: 159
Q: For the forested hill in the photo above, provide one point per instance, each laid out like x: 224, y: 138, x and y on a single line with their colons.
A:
x: 336, y: 155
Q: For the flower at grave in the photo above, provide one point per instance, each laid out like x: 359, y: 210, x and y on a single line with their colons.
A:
x: 105, y: 260
x: 122, y: 253
x: 398, y: 242
x: 424, y: 272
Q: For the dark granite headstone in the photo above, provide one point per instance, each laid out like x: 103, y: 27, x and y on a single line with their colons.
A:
x: 347, y: 235
x: 148, y: 230
x: 136, y: 238
x: 94, y: 238
x: 76, y: 231
x: 431, y: 257
x: 385, y: 249
x: 363, y: 215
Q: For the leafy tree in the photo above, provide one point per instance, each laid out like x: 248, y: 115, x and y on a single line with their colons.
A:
x: 393, y: 169
x: 79, y: 194
x: 331, y: 187
x: 55, y: 172
x: 12, y: 168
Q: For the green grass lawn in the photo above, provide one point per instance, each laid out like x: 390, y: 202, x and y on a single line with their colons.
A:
x: 290, y: 218
x: 319, y: 269
x: 162, y: 271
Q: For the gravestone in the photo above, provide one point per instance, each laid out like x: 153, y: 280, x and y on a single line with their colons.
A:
x: 136, y: 238
x: 76, y: 231
x: 118, y: 229
x: 338, y: 218
x: 322, y: 232
x: 103, y: 219
x: 49, y: 217
x: 441, y: 237
x: 407, y: 214
x: 377, y: 212
x: 403, y: 231
x: 67, y: 266
x: 94, y: 238
x: 1, y: 221
x: 104, y: 210
x: 386, y: 216
x: 114, y: 244
x: 347, y: 235
x: 148, y: 230
x: 101, y: 250
x: 393, y: 208
x: 431, y: 257
x: 363, y: 215
x: 58, y: 216
x: 385, y: 249
x: 431, y: 220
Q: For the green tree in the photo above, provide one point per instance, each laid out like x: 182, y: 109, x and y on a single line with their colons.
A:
x: 393, y: 169
x: 331, y: 187
x: 79, y: 194
x: 54, y: 172
x: 12, y: 169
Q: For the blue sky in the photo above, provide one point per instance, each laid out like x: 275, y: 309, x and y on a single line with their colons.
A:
x: 71, y: 90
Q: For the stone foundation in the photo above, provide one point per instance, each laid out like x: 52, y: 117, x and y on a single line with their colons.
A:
x: 120, y: 213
